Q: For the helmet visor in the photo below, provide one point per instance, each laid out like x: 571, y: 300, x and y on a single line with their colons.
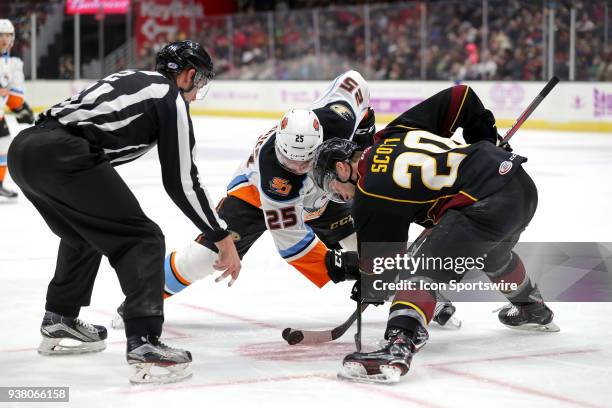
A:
x: 328, y: 186
x: 201, y: 81
x: 294, y: 166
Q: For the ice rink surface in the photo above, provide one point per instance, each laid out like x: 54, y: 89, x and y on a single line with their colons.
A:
x: 234, y: 333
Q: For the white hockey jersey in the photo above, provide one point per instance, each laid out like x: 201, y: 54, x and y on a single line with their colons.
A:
x: 11, y: 82
x: 289, y: 200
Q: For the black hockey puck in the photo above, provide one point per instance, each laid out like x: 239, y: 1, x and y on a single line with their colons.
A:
x: 293, y: 337
x: 286, y: 333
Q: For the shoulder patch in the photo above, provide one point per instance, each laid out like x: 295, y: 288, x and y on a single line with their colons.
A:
x: 343, y: 111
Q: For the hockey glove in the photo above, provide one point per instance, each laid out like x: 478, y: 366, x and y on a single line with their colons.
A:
x: 24, y: 114
x: 364, y: 135
x: 342, y: 265
x: 481, y: 127
x: 504, y: 145
x: 357, y: 297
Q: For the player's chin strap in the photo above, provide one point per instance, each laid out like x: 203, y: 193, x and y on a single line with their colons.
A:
x: 350, y: 178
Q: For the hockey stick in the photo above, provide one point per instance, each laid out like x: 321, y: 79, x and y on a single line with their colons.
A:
x: 299, y: 336
x: 529, y: 110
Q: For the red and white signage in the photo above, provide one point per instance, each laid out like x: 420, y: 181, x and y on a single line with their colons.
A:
x: 159, y: 20
x: 97, y: 6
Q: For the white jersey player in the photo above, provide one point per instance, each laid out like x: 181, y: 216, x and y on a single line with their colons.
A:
x: 11, y: 95
x: 272, y: 191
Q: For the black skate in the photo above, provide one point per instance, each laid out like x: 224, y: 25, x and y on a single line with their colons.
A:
x: 444, y: 312
x: 535, y: 316
x: 69, y: 335
x: 117, y: 322
x: 7, y: 195
x: 388, y: 364
x: 155, y: 362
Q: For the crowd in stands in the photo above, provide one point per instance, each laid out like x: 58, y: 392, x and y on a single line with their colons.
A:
x: 20, y: 12
x: 309, y: 44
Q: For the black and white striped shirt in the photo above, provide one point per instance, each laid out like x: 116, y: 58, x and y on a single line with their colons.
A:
x: 128, y: 113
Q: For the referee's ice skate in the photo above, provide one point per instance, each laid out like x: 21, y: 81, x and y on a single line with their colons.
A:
x: 117, y: 322
x: 155, y: 362
x: 69, y: 335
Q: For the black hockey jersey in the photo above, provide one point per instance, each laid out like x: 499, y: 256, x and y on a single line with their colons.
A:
x: 415, y: 172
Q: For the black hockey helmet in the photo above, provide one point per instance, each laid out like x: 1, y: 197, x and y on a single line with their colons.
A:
x: 179, y: 55
x: 324, y: 167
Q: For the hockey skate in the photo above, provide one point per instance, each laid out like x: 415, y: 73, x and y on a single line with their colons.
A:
x: 7, y: 195
x: 117, y: 322
x: 444, y: 313
x: 535, y: 316
x: 68, y: 335
x: 387, y: 365
x: 155, y: 362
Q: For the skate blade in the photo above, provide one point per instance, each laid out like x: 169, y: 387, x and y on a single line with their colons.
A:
x: 534, y: 327
x: 356, y: 372
x: 148, y: 373
x: 7, y: 200
x: 117, y: 323
x: 57, y: 346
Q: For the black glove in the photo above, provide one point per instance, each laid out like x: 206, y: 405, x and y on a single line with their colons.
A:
x: 342, y: 265
x: 24, y: 114
x: 481, y: 127
x: 364, y: 135
x: 503, y: 145
x: 356, y: 295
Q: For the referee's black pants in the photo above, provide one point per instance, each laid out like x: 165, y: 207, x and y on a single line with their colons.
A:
x: 86, y: 203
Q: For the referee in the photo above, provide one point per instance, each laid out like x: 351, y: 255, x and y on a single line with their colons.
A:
x: 65, y: 166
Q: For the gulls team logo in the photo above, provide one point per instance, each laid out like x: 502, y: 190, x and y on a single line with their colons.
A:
x: 315, y: 124
x: 280, y: 186
x: 505, y: 167
x: 284, y: 123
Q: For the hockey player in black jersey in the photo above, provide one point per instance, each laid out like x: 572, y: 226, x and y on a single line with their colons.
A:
x: 476, y: 199
x: 65, y: 166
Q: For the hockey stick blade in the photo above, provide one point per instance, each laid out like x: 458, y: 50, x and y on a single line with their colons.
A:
x: 305, y: 337
x: 529, y: 110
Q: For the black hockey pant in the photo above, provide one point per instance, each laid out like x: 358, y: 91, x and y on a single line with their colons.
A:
x: 86, y: 203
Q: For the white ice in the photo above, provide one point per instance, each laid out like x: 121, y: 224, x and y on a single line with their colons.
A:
x: 234, y: 333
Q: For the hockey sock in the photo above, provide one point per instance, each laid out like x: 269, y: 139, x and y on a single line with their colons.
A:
x: 513, y: 271
x: 411, y: 308
x: 174, y: 281
x: 5, y: 140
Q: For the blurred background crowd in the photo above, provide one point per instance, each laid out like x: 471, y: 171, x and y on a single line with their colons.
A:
x: 302, y: 39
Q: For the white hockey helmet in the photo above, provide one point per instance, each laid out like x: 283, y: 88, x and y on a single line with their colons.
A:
x: 6, y: 27
x: 298, y: 135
